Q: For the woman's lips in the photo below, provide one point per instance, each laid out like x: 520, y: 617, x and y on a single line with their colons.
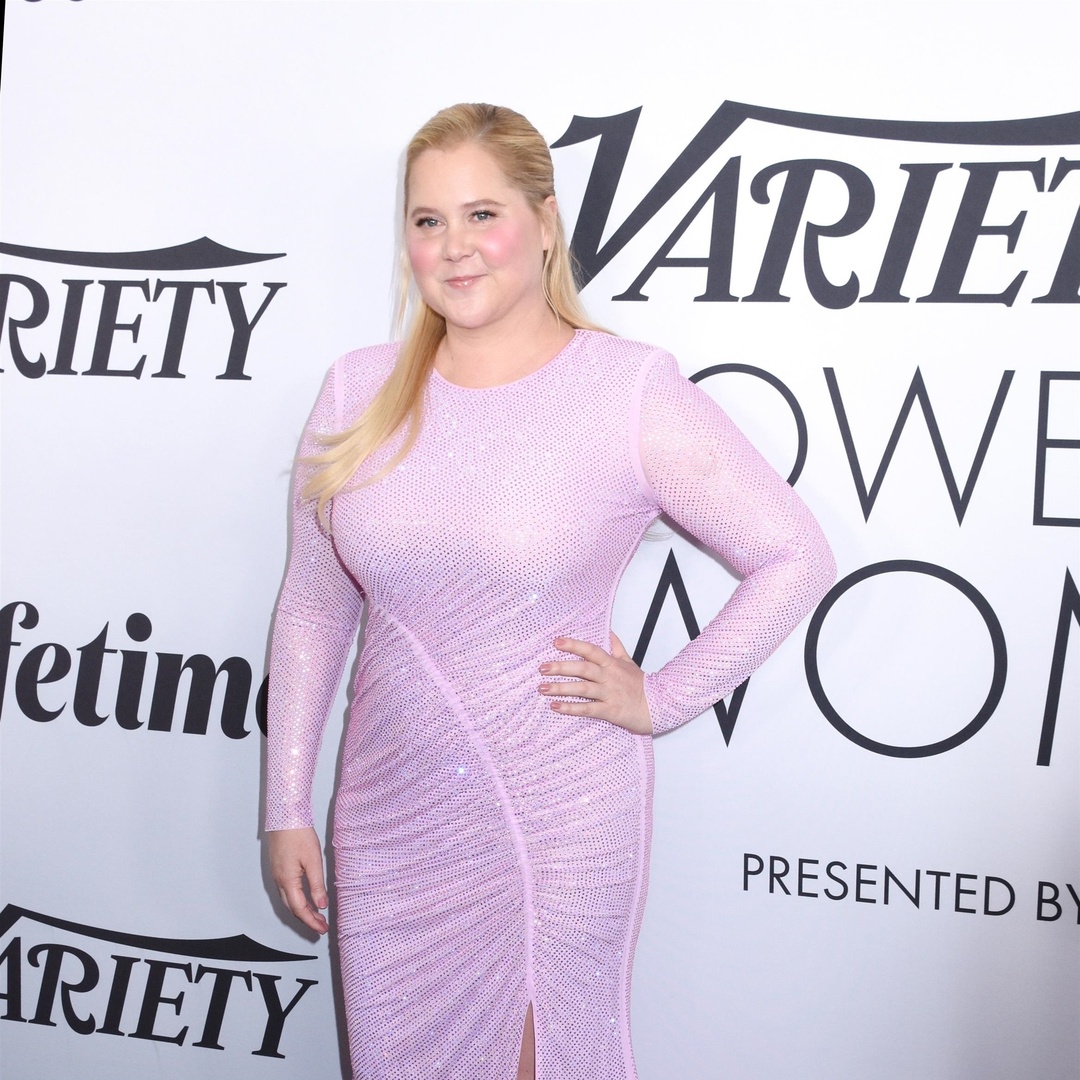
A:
x: 462, y: 282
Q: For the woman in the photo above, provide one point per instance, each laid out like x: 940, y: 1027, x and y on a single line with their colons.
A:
x: 481, y: 488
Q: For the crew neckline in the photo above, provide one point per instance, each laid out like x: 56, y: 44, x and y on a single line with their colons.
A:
x: 438, y: 377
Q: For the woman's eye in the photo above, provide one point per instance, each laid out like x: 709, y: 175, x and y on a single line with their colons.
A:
x: 483, y: 215
x: 426, y: 223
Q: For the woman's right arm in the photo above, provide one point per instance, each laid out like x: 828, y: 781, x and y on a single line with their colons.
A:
x: 315, y: 626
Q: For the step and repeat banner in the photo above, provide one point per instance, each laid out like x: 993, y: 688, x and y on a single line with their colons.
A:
x: 858, y: 228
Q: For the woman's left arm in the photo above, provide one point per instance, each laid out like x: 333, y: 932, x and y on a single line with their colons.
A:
x: 706, y: 476
x: 699, y: 469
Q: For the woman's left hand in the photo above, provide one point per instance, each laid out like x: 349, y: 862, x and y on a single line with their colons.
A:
x: 613, y: 683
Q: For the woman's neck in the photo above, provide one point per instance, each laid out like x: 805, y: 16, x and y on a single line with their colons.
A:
x: 493, y: 355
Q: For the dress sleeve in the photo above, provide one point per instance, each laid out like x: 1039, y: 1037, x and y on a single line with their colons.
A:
x: 315, y: 625
x: 702, y: 472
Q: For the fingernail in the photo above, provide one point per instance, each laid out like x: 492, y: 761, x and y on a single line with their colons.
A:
x: 545, y: 668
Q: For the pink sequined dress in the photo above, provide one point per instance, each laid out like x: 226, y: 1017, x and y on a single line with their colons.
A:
x: 491, y: 852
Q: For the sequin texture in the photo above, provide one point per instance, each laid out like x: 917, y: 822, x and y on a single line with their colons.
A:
x: 492, y: 853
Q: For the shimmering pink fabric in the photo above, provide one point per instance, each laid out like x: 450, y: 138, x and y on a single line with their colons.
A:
x: 490, y: 852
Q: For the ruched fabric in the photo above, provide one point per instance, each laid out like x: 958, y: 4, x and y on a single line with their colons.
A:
x: 490, y: 852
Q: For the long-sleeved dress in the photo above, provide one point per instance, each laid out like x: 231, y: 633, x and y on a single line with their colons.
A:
x: 492, y: 853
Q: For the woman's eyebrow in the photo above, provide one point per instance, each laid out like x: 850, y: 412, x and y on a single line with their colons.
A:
x: 465, y: 206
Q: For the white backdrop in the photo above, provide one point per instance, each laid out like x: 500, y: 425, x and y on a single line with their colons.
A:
x: 130, y: 821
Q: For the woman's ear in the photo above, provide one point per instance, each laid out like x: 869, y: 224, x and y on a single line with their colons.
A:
x: 549, y: 215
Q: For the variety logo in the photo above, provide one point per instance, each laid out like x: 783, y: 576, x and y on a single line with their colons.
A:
x: 936, y: 210
x: 54, y: 972
x: 92, y: 325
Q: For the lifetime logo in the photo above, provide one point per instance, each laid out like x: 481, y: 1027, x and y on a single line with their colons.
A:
x: 162, y: 990
x: 49, y: 662
x: 167, y: 302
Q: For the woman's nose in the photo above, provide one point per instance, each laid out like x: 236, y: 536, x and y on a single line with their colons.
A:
x: 456, y: 243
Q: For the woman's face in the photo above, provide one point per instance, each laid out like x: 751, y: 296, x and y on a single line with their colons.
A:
x: 475, y: 244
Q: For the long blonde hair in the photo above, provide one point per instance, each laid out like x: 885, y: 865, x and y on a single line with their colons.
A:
x: 523, y: 156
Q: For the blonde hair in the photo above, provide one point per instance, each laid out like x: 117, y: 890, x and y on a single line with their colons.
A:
x: 521, y: 153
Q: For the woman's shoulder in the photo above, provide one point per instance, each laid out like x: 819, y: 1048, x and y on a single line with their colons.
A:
x: 620, y: 349
x: 356, y: 376
x: 369, y: 362
x: 621, y: 358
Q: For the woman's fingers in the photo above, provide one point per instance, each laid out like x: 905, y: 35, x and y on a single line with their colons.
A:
x: 611, y: 683
x: 571, y: 689
x: 296, y: 859
x: 586, y: 673
x: 585, y: 649
x: 297, y: 902
x: 574, y: 669
x: 583, y: 708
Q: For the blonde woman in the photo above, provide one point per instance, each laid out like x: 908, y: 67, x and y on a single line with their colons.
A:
x: 480, y: 488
